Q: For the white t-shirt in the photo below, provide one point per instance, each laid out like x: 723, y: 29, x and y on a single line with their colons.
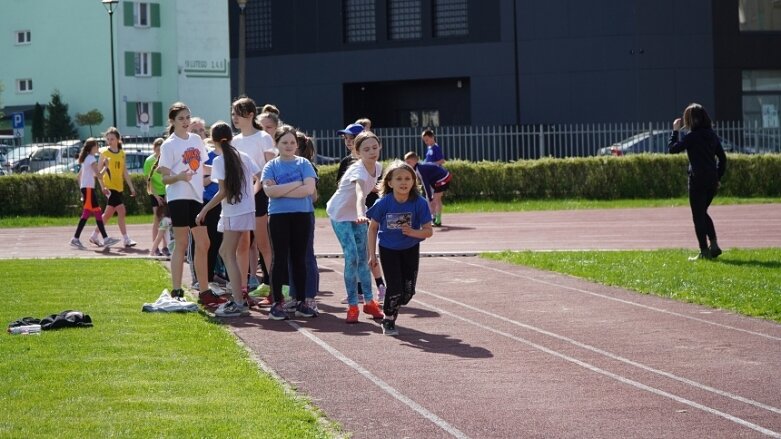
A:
x: 87, y: 174
x: 255, y: 146
x: 247, y: 203
x: 342, y: 205
x: 180, y: 155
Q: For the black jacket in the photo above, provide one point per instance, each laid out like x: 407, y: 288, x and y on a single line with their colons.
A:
x: 703, y: 147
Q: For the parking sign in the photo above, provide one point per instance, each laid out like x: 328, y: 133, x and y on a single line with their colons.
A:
x: 18, y: 120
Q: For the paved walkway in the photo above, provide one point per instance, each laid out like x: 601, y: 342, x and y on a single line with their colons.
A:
x: 492, y: 350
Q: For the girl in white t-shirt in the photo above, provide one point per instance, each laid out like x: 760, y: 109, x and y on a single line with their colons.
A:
x: 347, y: 210
x: 87, y: 173
x: 233, y: 171
x: 259, y: 146
x: 182, y: 156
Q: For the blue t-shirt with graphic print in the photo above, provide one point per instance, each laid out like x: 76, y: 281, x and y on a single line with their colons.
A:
x: 286, y: 171
x: 392, y: 215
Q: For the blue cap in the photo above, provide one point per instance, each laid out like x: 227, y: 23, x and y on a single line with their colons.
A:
x: 353, y: 129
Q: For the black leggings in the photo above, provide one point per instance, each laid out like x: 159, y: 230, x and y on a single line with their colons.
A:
x: 401, y: 273
x: 215, y: 238
x: 701, y: 193
x: 289, y: 233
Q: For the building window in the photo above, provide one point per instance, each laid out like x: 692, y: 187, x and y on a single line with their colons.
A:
x: 22, y: 37
x: 24, y: 85
x: 359, y: 21
x: 141, y: 14
x: 762, y: 98
x: 144, y: 113
x: 143, y: 64
x: 258, y: 20
x: 759, y: 15
x: 404, y: 21
x: 450, y: 18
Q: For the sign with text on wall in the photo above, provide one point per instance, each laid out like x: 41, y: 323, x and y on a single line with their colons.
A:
x: 197, y: 68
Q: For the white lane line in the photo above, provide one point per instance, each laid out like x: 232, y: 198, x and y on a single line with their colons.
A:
x: 609, y: 354
x: 615, y: 299
x: 441, y: 423
x: 612, y: 375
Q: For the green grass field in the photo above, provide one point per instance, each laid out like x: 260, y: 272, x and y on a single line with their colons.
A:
x: 747, y: 281
x: 133, y: 374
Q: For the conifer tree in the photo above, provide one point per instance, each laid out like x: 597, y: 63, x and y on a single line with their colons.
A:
x: 58, y: 122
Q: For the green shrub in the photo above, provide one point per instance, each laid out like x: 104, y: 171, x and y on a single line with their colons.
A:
x: 599, y: 178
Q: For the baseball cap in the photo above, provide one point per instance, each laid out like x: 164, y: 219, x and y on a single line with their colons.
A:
x: 353, y: 129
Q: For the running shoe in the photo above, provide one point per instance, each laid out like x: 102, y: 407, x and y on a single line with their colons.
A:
x: 108, y: 242
x: 94, y: 240
x: 260, y: 290
x: 373, y: 308
x: 290, y: 306
x: 303, y: 310
x: 165, y: 252
x: 389, y: 327
x: 129, y: 242
x: 352, y: 314
x: 209, y: 299
x: 232, y: 309
x: 77, y: 244
x: 278, y: 312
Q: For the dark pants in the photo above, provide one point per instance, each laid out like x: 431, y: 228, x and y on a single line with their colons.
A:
x: 401, y: 273
x: 312, y: 275
x: 215, y: 238
x: 702, y: 189
x: 289, y: 233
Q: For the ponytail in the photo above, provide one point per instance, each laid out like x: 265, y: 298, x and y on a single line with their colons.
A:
x: 234, y: 169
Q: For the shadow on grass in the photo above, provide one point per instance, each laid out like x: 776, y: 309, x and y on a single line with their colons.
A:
x: 749, y: 263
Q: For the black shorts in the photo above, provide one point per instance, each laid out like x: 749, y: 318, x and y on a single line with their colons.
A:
x: 153, y: 200
x: 442, y: 188
x: 261, y: 204
x: 183, y: 212
x: 90, y: 197
x: 115, y: 199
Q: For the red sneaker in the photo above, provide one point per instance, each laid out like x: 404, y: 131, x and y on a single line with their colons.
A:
x: 352, y: 314
x: 373, y: 308
x: 209, y: 299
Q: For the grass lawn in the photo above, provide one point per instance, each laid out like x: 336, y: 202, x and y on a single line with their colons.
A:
x: 133, y: 374
x: 474, y: 206
x: 747, y: 281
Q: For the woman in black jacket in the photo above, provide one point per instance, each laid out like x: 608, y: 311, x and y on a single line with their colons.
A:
x: 707, y: 163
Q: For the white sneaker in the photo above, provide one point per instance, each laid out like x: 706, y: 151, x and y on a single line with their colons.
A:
x: 129, y: 242
x: 108, y: 242
x: 95, y: 241
x: 77, y: 244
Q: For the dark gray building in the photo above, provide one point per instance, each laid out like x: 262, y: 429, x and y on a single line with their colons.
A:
x: 325, y: 63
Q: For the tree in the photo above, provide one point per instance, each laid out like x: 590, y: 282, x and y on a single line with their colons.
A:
x: 39, y: 122
x: 92, y: 117
x: 59, y: 124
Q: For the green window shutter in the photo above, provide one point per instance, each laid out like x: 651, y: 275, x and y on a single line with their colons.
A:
x: 155, y: 14
x: 127, y: 13
x: 130, y: 64
x: 157, y: 68
x: 131, y: 114
x: 157, y: 114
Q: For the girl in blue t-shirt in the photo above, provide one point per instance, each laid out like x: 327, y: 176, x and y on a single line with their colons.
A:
x: 289, y: 181
x: 401, y: 218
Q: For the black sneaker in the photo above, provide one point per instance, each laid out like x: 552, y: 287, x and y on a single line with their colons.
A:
x: 178, y: 294
x: 389, y: 327
x: 715, y: 251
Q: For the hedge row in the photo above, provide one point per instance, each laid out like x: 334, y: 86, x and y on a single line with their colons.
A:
x: 640, y: 176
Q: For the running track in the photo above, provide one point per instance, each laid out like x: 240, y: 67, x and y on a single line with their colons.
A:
x: 492, y: 350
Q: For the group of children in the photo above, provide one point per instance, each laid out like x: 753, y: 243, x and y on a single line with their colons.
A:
x: 265, y: 193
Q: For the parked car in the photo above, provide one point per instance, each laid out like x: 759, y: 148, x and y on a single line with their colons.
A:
x: 650, y: 142
x: 18, y: 159
x: 51, y: 155
x: 71, y: 167
x: 134, y: 160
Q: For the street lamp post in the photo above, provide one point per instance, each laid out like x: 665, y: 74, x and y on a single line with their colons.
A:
x: 242, y: 47
x: 110, y: 5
